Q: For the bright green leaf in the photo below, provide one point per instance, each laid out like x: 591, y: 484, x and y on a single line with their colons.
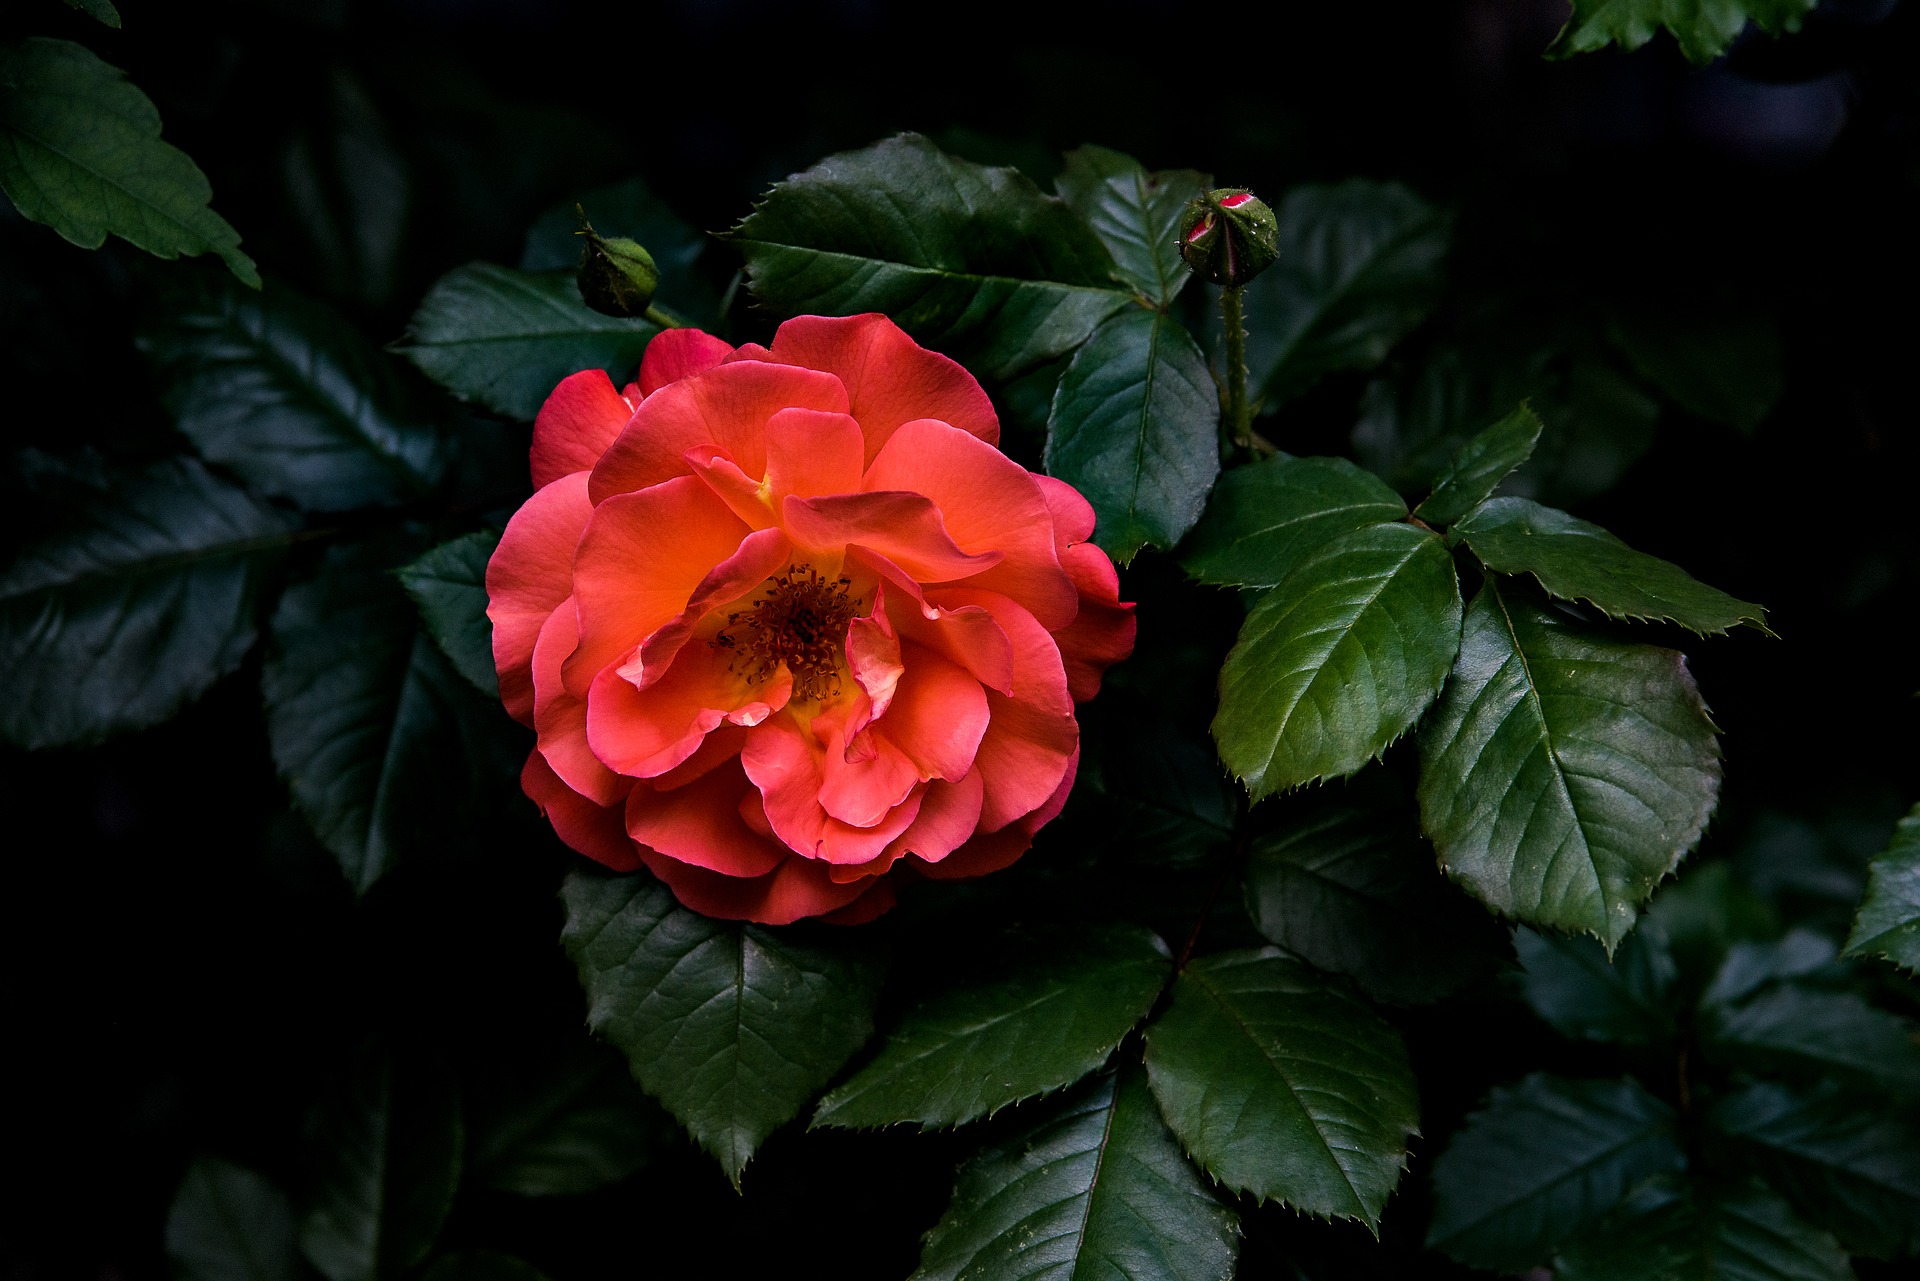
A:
x: 629, y: 209
x: 1670, y: 1230
x: 1340, y: 659
x: 1282, y: 1085
x: 142, y: 597
x: 1726, y: 367
x: 1573, y: 984
x: 1540, y: 1161
x: 230, y: 1224
x: 1888, y: 923
x: 1136, y: 214
x: 1704, y: 28
x: 80, y: 151
x: 732, y: 1026
x: 562, y: 1126
x: 1575, y: 560
x: 1135, y: 428
x: 449, y: 584
x: 504, y: 338
x: 1564, y: 772
x: 1794, y: 1031
x: 1042, y: 1011
x: 1097, y: 1188
x: 976, y: 262
x: 1478, y: 467
x: 1263, y: 520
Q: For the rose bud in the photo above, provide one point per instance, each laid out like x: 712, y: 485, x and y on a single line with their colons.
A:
x: 1229, y: 236
x: 617, y: 277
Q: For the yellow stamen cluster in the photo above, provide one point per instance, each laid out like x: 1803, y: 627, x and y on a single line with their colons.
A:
x: 799, y: 620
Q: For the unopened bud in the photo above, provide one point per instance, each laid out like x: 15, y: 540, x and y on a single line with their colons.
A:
x: 617, y: 277
x: 1229, y: 236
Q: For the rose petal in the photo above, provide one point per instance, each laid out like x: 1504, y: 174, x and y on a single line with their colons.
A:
x: 699, y: 825
x: 811, y: 453
x: 581, y: 417
x: 993, y: 851
x: 530, y: 573
x: 968, y: 635
x: 598, y: 831
x: 759, y: 555
x: 787, y: 763
x: 937, y: 716
x: 560, y: 716
x: 1073, y: 518
x: 1102, y: 633
x: 798, y: 888
x: 947, y: 819
x: 905, y: 528
x: 674, y: 354
x: 646, y: 733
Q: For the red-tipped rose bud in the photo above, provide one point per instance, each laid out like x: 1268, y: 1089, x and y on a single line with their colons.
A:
x: 1229, y: 236
x: 617, y: 277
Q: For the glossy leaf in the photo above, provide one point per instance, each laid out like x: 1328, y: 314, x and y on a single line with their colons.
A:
x: 1794, y: 1031
x: 1750, y: 966
x: 1041, y: 1012
x: 1136, y: 214
x: 1669, y: 1230
x: 230, y: 1224
x: 282, y: 391
x: 143, y: 596
x: 1564, y: 772
x: 1477, y: 467
x: 562, y: 1126
x: 1338, y: 660
x: 1573, y: 984
x: 629, y: 209
x: 80, y: 151
x: 504, y: 338
x: 1888, y: 923
x: 1725, y: 367
x: 1097, y: 1187
x: 1575, y: 560
x: 1283, y: 1086
x: 1542, y: 1160
x: 1847, y: 1165
x: 974, y: 261
x: 1354, y: 891
x: 1703, y: 28
x: 1263, y: 520
x: 1135, y: 428
x: 733, y: 1027
x: 449, y: 585
x: 385, y: 1145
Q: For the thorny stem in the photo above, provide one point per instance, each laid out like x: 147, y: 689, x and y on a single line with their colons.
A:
x: 1236, y: 327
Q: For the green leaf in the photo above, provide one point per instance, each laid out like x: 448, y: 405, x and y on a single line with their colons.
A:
x: 482, y: 1265
x: 1704, y: 28
x: 1161, y: 788
x: 1340, y: 659
x: 1575, y: 560
x: 561, y: 1127
x: 1540, y: 1161
x: 142, y: 597
x: 1263, y: 520
x: 1574, y: 985
x: 1284, y: 1086
x: 976, y: 262
x: 1794, y: 1031
x: 1888, y: 923
x: 1360, y: 266
x: 1726, y: 367
x: 1564, y: 772
x: 80, y: 151
x: 1847, y: 1165
x: 350, y: 190
x: 99, y: 10
x: 503, y: 338
x: 1039, y: 1012
x: 1136, y: 214
x: 280, y: 390
x: 1477, y: 467
x: 1135, y: 428
x: 1096, y: 1188
x: 733, y: 1027
x: 1669, y: 1230
x: 1354, y: 891
x: 449, y: 585
x: 230, y: 1224
x: 385, y: 1145
x: 629, y: 209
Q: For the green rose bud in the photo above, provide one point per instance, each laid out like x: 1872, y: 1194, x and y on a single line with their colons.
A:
x: 1229, y: 236
x: 617, y: 277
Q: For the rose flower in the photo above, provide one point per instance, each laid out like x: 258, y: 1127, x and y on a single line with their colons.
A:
x: 787, y: 623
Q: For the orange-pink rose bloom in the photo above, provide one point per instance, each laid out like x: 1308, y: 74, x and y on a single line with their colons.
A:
x: 787, y: 623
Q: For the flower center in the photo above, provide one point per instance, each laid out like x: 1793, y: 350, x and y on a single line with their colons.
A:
x: 800, y: 619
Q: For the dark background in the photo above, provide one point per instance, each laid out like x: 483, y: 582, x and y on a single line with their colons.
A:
x: 182, y: 965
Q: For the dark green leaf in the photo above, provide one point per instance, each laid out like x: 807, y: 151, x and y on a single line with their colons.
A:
x: 449, y: 584
x: 1583, y: 993
x: 563, y: 1126
x: 385, y: 1146
x: 230, y: 1224
x: 100, y: 10
x: 140, y: 600
x: 1540, y: 1161
x: 1706, y: 913
x: 1478, y: 467
x: 1097, y: 1188
x: 482, y: 1265
x: 1162, y: 788
x: 503, y: 337
x: 1136, y: 214
x: 1263, y: 520
x: 1283, y: 1086
x: 1355, y: 891
x: 80, y: 151
x: 733, y: 1027
x: 1575, y: 560
x: 1889, y: 920
x: 1134, y: 428
x: 1564, y: 772
x: 1040, y: 1011
x: 1340, y: 659
x: 350, y: 189
x: 1704, y: 28
x: 1360, y: 266
x: 977, y: 262
x: 629, y: 209
x: 1670, y: 1230
x: 1802, y: 1032
x: 1750, y: 966
x: 1725, y: 367
x: 1848, y: 1165
x: 281, y: 390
